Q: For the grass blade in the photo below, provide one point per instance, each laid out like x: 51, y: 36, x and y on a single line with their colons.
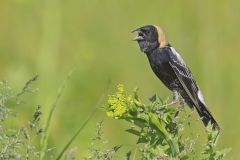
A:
x: 84, y: 123
x: 44, y: 138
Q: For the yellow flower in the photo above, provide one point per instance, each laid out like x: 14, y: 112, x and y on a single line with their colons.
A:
x: 120, y: 88
x: 110, y: 114
x: 117, y: 103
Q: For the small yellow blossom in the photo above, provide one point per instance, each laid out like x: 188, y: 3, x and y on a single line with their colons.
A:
x: 117, y: 103
x: 120, y: 88
x: 110, y: 114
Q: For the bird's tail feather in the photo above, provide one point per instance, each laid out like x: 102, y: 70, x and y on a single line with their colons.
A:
x: 206, y: 115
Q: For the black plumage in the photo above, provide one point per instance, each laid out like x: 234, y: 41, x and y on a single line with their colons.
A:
x: 171, y: 69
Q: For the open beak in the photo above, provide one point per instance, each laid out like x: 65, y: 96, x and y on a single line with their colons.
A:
x: 140, y: 36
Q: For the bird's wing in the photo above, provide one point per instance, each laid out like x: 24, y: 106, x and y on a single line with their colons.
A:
x: 185, y: 76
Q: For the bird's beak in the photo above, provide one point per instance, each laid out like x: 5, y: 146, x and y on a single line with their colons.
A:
x: 139, y: 37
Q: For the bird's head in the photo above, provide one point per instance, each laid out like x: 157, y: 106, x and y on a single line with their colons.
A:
x: 150, y: 37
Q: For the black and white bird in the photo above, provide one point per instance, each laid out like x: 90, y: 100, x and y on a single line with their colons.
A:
x: 171, y: 69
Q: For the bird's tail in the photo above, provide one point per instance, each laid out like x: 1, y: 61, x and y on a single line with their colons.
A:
x: 206, y: 115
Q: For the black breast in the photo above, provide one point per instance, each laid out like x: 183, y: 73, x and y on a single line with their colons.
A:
x: 159, y: 61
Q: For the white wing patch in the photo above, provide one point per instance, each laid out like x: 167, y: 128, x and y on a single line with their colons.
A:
x: 200, y: 96
x: 180, y: 62
x: 177, y: 55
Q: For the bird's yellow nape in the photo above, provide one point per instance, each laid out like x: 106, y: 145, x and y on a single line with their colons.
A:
x: 161, y: 37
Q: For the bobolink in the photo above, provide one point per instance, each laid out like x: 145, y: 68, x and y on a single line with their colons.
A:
x: 171, y: 69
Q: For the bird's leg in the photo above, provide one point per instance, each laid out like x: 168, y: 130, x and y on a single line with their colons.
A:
x: 174, y: 101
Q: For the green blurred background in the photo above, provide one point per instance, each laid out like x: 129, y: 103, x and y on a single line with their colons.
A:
x: 51, y: 37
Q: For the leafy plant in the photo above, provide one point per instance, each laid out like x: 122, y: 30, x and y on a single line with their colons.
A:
x: 159, y: 129
x: 209, y: 150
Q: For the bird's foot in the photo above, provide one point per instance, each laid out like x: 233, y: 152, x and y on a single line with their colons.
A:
x: 174, y: 101
x: 167, y: 104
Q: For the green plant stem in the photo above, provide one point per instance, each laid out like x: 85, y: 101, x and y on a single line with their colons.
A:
x: 44, y: 139
x: 174, y: 149
x: 76, y: 134
x: 84, y: 124
x: 134, y: 155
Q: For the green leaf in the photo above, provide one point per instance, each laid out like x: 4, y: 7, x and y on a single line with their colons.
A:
x: 134, y: 131
x: 153, y: 98
x: 142, y: 140
x: 128, y: 155
x: 116, y: 148
x: 135, y: 93
x: 155, y: 121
